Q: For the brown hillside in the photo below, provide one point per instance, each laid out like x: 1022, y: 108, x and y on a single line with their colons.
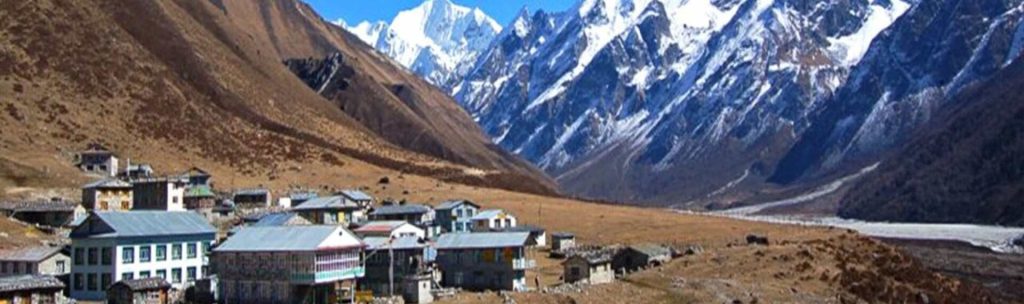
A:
x: 178, y: 83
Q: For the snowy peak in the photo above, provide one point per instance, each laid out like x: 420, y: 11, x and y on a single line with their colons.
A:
x: 655, y: 88
x: 437, y: 40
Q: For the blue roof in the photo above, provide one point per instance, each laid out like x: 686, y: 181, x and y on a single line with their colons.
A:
x: 452, y: 204
x: 275, y: 219
x: 144, y: 224
x: 327, y: 202
x: 284, y: 238
x: 356, y: 195
x: 400, y: 209
x: 482, y: 240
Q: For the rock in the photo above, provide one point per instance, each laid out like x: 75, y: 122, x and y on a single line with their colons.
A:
x: 694, y: 250
x: 754, y: 239
x: 384, y: 180
x: 1019, y: 241
x: 923, y: 298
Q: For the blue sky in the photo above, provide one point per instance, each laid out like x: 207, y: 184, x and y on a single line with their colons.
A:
x: 354, y: 11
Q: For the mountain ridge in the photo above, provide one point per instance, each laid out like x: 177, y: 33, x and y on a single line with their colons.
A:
x: 184, y: 83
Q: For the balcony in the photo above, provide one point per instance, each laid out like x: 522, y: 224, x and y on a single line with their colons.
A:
x: 523, y: 264
x: 328, y: 276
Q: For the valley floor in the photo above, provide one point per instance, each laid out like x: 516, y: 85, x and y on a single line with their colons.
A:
x: 802, y: 264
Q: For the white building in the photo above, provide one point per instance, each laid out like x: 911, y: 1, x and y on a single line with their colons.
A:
x: 492, y: 220
x: 390, y: 229
x: 112, y: 246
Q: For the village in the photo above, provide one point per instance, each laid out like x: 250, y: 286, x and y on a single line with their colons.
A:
x: 138, y: 237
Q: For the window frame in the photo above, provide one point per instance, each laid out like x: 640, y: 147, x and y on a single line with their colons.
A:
x: 79, y: 256
x: 191, y: 250
x: 161, y: 252
x: 145, y: 254
x: 128, y: 255
x: 92, y: 256
x: 106, y: 256
x: 176, y: 251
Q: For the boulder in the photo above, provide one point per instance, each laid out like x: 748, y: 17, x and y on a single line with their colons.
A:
x: 754, y: 239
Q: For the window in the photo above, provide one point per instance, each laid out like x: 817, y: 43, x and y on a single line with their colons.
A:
x: 176, y: 275
x: 144, y: 274
x: 79, y: 285
x: 79, y: 256
x: 176, y: 252
x: 575, y: 272
x: 91, y: 282
x: 191, y: 250
x: 93, y: 256
x: 458, y: 213
x: 174, y: 199
x: 127, y: 276
x: 162, y: 274
x: 107, y: 255
x: 191, y: 274
x: 206, y: 248
x: 61, y: 267
x: 144, y: 254
x: 127, y: 255
x: 105, y: 281
x: 161, y: 252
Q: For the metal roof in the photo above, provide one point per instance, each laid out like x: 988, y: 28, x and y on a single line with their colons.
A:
x: 408, y: 242
x: 151, y: 283
x: 146, y: 224
x: 482, y: 240
x: 107, y: 183
x: 356, y: 195
x: 452, y: 204
x: 254, y: 191
x: 489, y: 214
x: 381, y: 226
x: 29, y: 282
x: 522, y: 228
x: 568, y: 235
x: 29, y: 254
x: 286, y: 238
x: 401, y: 209
x: 327, y: 202
x: 276, y: 219
x: 303, y: 195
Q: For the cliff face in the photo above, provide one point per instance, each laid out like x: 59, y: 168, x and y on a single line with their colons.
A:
x: 968, y: 166
x: 201, y: 82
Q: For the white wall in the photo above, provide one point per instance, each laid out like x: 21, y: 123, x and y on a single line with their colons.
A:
x: 118, y: 266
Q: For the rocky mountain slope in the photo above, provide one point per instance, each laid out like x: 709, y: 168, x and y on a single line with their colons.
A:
x: 181, y: 83
x: 665, y: 101
x: 966, y: 166
x: 438, y: 39
x: 683, y: 102
x: 433, y: 124
x: 911, y: 72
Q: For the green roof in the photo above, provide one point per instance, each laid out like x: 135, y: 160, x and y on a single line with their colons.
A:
x: 199, y: 191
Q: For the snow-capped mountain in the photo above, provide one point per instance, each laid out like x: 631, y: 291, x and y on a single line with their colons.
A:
x: 437, y: 39
x: 670, y: 100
